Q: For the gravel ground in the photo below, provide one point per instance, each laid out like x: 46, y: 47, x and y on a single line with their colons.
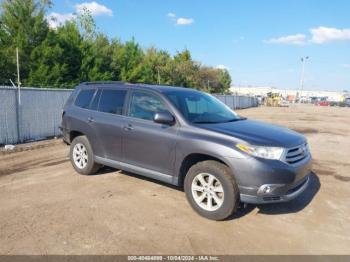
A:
x: 47, y: 208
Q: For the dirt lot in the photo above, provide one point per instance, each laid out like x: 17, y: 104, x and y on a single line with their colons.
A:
x: 46, y: 208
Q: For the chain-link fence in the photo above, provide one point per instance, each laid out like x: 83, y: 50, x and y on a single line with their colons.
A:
x: 35, y: 113
x: 238, y: 102
x: 30, y: 114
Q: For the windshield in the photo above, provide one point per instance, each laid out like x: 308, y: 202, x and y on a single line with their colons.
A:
x: 198, y: 107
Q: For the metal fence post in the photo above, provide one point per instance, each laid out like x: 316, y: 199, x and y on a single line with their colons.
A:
x: 18, y: 109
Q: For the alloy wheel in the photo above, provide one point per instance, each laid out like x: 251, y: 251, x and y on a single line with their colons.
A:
x: 80, y: 156
x: 207, y: 191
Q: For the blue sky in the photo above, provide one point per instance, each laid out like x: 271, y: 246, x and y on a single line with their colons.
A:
x: 259, y: 41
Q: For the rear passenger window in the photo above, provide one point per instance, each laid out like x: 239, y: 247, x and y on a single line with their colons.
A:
x: 84, y: 98
x: 112, y: 101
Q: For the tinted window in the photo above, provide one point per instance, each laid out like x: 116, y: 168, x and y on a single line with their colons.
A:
x: 145, y: 105
x: 84, y: 98
x: 96, y: 99
x: 112, y: 101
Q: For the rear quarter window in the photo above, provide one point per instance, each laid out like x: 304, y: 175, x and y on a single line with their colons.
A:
x: 83, y: 99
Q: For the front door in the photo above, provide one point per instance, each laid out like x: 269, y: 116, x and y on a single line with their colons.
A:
x: 148, y: 144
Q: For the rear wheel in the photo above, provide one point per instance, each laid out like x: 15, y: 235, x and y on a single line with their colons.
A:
x: 82, y: 156
x: 211, y: 190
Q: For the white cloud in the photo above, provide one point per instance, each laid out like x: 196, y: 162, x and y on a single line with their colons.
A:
x: 184, y: 21
x: 298, y: 39
x: 319, y: 35
x: 55, y: 19
x: 95, y: 8
x: 323, y: 35
x: 180, y: 20
x: 223, y: 67
x: 170, y: 14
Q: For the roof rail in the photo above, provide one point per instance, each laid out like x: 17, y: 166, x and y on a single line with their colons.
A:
x: 103, y: 83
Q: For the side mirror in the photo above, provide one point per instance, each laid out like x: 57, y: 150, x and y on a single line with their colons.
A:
x: 164, y: 118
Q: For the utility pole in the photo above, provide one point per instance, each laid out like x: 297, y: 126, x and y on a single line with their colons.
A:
x: 158, y: 76
x: 303, y: 60
x: 18, y: 77
x: 18, y: 107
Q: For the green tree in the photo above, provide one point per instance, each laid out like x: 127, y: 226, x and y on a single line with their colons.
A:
x: 154, y: 67
x: 57, y: 60
x: 99, y: 59
x: 183, y: 70
x: 23, y: 25
x: 207, y: 79
x: 76, y: 51
x: 87, y: 24
x: 116, y: 67
x: 130, y: 60
x: 224, y: 81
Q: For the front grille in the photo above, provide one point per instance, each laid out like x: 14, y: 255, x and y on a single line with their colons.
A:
x: 296, y: 154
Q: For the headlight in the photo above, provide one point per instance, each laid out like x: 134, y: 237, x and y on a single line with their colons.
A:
x: 262, y: 151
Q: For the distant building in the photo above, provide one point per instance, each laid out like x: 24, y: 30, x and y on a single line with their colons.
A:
x: 289, y: 94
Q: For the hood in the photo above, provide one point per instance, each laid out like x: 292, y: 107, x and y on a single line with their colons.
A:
x: 258, y: 133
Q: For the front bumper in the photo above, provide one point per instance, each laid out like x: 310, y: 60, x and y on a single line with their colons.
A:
x: 270, y: 181
x: 290, y: 194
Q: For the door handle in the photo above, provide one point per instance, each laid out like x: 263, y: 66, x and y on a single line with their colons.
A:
x: 128, y: 127
x: 90, y: 119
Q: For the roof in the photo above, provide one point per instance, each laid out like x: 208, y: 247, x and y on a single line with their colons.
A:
x: 159, y: 88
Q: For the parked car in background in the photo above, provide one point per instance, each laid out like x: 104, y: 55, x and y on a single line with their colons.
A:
x: 333, y: 103
x: 347, y: 102
x: 284, y: 103
x: 323, y: 103
x: 186, y: 138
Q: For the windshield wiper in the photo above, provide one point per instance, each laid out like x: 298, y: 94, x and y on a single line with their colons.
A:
x: 205, y: 122
x: 218, y: 122
x: 236, y: 119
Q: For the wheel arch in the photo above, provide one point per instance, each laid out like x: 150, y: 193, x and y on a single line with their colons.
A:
x: 192, y: 159
x: 73, y: 134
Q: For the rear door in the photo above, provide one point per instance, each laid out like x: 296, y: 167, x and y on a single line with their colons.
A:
x: 108, y: 121
x: 145, y: 143
x: 76, y: 117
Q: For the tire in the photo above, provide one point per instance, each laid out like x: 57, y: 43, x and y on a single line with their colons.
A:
x: 215, y: 174
x: 83, y: 160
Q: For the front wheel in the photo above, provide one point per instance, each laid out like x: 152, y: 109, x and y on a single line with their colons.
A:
x: 211, y: 190
x: 82, y: 156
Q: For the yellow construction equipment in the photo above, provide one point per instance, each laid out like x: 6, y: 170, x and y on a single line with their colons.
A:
x: 273, y: 99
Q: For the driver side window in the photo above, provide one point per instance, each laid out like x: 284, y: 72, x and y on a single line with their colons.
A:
x: 145, y: 106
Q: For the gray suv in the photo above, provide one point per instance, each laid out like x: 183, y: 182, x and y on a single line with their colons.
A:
x: 186, y: 138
